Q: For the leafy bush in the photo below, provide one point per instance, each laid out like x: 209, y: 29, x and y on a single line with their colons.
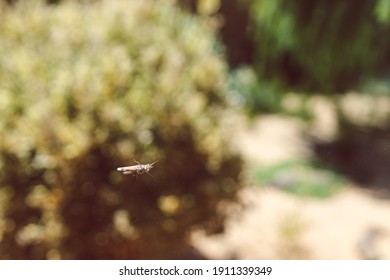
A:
x: 320, y: 46
x: 87, y: 88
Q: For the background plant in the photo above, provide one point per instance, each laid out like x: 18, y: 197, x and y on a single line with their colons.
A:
x: 85, y: 88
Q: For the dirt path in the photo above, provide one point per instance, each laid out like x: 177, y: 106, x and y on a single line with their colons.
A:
x: 350, y: 225
x: 277, y: 225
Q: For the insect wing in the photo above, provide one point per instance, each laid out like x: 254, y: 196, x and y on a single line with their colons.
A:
x: 131, y: 168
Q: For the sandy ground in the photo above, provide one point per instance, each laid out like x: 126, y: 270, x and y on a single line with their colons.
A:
x: 352, y: 224
x: 277, y: 225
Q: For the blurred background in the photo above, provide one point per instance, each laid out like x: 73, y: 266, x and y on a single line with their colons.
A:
x: 269, y: 120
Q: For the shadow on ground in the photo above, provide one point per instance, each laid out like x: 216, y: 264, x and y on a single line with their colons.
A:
x: 361, y: 153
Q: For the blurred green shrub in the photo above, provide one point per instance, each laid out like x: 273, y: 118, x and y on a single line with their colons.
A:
x: 320, y: 46
x: 87, y: 88
x: 254, y: 96
x: 305, y: 46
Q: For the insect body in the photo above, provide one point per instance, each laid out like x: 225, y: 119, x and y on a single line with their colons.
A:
x: 136, y: 169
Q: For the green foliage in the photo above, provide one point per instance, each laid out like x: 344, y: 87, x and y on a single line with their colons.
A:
x: 300, y: 178
x: 320, y: 46
x: 87, y: 88
x: 246, y: 91
x: 382, y: 11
